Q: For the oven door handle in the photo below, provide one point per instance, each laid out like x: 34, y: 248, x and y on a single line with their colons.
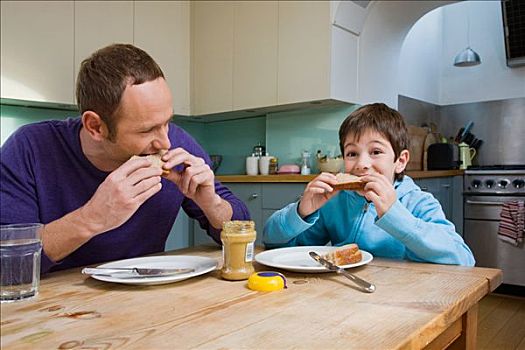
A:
x: 468, y: 201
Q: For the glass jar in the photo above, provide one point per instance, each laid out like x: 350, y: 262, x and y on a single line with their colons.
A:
x: 273, y: 165
x: 238, y: 238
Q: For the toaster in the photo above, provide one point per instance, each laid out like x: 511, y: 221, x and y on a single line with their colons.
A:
x: 443, y: 156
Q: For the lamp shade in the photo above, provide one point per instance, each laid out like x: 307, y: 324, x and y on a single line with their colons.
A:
x: 466, y: 58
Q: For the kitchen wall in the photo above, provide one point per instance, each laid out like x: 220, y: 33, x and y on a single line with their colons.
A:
x: 500, y: 124
x: 285, y: 135
x: 426, y: 70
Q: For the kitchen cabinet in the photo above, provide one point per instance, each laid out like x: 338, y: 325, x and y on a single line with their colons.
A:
x: 37, y: 50
x: 262, y: 200
x: 234, y: 60
x: 255, y: 54
x: 449, y: 192
x: 101, y: 23
x: 251, y: 54
x: 43, y: 44
x: 162, y: 29
x: 212, y: 56
x: 304, y: 51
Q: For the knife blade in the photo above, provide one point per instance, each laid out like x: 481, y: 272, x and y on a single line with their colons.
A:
x: 363, y: 285
x: 131, y: 272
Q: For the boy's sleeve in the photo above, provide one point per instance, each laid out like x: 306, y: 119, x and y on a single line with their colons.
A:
x: 427, y: 234
x: 286, y: 228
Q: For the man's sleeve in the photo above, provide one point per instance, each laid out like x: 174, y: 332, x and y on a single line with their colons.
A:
x: 18, y: 195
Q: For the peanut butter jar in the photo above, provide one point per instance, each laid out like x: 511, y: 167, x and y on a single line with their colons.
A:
x: 238, y: 239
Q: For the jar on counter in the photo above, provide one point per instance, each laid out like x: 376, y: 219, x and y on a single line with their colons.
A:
x: 273, y: 165
x: 238, y: 239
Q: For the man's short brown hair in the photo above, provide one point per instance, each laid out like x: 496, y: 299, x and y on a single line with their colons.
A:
x: 380, y: 118
x: 104, y: 75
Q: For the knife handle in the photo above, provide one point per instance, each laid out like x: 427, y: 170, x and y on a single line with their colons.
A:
x: 365, y: 286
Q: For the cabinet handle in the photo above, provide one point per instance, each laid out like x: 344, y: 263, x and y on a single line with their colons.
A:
x: 254, y: 196
x: 424, y: 188
x: 446, y: 186
x: 468, y: 201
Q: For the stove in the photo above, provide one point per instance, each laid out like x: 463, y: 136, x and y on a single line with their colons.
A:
x: 495, y: 180
x: 486, y: 189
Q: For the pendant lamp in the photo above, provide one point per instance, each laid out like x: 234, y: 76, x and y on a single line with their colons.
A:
x: 467, y: 57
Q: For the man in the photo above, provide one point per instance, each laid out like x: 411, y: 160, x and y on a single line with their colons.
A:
x: 77, y: 176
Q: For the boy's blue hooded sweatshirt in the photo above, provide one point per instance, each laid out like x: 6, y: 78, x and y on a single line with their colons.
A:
x: 414, y: 228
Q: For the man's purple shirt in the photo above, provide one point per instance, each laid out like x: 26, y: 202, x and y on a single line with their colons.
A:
x: 45, y: 175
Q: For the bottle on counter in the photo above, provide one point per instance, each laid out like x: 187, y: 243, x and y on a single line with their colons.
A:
x: 238, y: 240
x: 305, y: 164
x: 274, y: 164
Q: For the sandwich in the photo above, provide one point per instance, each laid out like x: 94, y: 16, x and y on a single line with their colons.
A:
x: 348, y: 182
x: 156, y: 161
x: 344, y: 255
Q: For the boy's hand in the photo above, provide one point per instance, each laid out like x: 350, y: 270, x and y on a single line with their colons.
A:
x: 380, y: 191
x: 317, y: 193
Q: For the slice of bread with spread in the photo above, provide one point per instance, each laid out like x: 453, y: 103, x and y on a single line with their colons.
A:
x: 156, y: 161
x: 344, y: 255
x: 348, y: 182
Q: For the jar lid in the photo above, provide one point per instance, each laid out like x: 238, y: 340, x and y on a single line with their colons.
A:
x: 266, y: 281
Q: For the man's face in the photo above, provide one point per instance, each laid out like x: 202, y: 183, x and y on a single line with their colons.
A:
x: 372, y: 153
x: 142, y: 121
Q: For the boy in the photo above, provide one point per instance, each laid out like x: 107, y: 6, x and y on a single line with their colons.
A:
x: 391, y: 217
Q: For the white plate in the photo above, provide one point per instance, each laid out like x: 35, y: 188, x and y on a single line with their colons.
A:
x: 200, y: 264
x: 297, y: 259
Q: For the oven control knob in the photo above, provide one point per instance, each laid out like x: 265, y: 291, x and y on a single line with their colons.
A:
x: 489, y: 183
x: 476, y: 183
x: 518, y: 183
x: 503, y: 183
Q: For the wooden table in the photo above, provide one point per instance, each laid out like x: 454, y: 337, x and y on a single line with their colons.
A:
x: 415, y: 306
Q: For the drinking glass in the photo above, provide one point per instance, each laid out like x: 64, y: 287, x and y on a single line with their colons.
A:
x: 20, y: 249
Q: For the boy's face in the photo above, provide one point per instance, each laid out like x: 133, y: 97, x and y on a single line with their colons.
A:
x: 372, y: 153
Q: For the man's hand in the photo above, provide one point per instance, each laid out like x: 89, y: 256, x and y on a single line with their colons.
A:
x: 196, y: 181
x: 121, y: 194
x: 317, y: 193
x: 379, y: 190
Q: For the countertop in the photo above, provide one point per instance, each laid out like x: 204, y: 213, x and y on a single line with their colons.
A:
x: 308, y: 178
x: 414, y: 306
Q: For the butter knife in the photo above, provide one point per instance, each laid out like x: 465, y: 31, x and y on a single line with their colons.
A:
x: 363, y: 285
x: 132, y: 272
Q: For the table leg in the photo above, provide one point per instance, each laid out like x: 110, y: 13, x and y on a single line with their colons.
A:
x: 467, y: 339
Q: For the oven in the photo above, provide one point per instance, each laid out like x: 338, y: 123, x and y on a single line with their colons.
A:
x: 486, y: 189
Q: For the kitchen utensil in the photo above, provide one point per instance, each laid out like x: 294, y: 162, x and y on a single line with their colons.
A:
x: 330, y: 165
x: 216, y: 160
x: 259, y: 150
x: 466, y: 154
x: 134, y: 272
x: 363, y: 285
x: 476, y: 144
x: 466, y: 130
x: 289, y: 169
x: 417, y: 140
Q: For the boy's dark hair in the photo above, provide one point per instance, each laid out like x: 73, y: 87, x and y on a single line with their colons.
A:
x: 104, y: 75
x: 378, y: 117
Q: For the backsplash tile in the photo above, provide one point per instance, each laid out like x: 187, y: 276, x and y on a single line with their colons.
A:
x: 13, y: 117
x: 288, y: 134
